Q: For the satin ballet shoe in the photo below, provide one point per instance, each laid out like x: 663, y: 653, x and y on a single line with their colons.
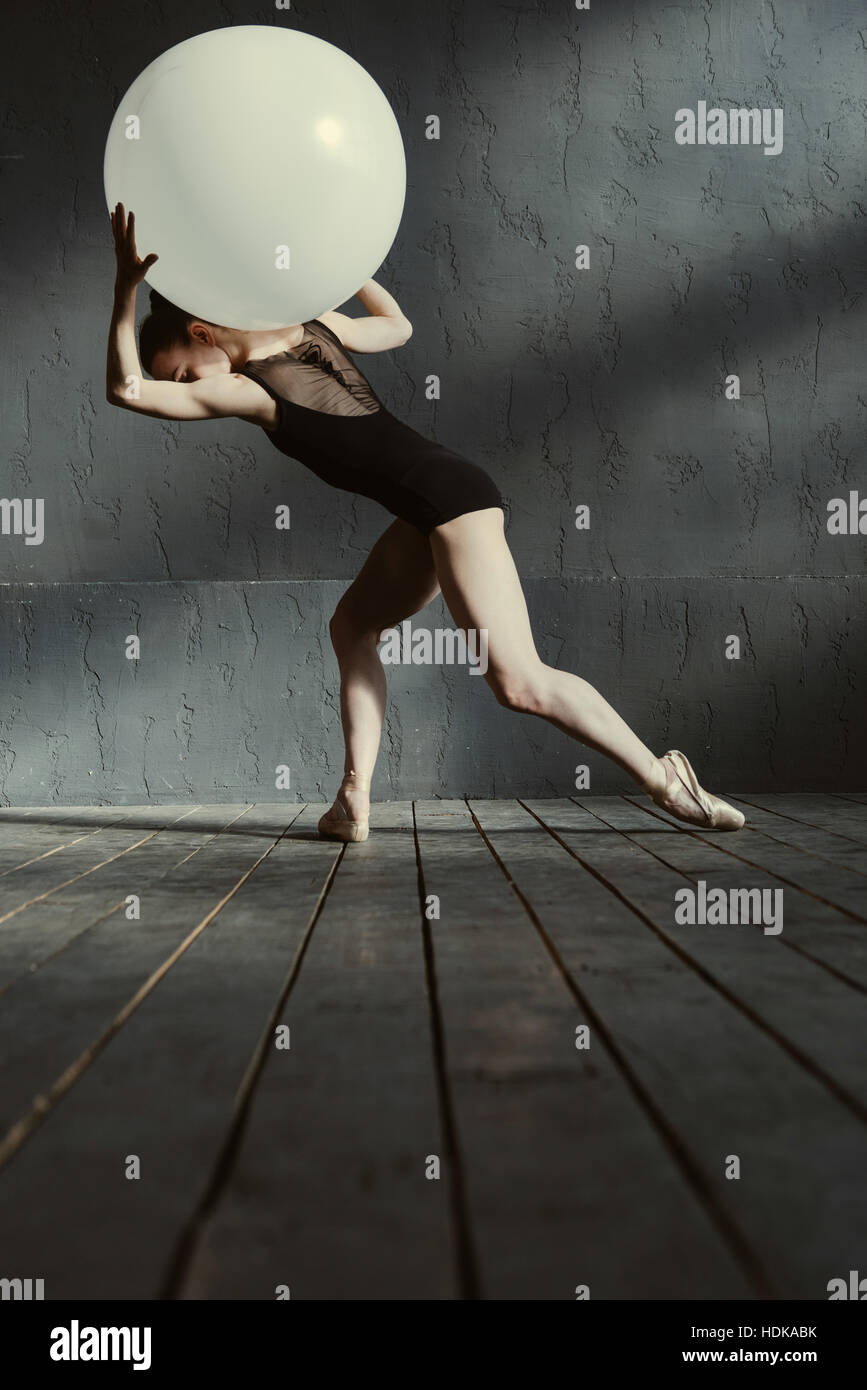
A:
x: 684, y: 797
x: 337, y: 824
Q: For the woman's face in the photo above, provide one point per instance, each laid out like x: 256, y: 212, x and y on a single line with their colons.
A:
x: 189, y: 361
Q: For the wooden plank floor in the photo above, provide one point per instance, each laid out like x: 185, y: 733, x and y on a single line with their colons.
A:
x: 429, y: 1128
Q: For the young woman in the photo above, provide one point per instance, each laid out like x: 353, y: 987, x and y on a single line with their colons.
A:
x: 301, y: 386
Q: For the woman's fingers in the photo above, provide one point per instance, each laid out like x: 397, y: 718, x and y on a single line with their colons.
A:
x: 117, y: 226
x: 124, y: 241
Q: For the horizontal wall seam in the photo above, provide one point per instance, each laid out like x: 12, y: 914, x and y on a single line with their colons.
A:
x: 526, y: 578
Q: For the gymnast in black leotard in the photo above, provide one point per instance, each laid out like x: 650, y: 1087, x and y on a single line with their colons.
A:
x: 300, y: 384
x: 330, y: 419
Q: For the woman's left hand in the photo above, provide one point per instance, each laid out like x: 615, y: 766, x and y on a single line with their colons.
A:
x: 130, y: 270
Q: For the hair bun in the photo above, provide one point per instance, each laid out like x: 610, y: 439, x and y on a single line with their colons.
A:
x: 159, y: 301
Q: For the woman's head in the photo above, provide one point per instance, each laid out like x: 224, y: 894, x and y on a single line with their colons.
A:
x: 176, y: 346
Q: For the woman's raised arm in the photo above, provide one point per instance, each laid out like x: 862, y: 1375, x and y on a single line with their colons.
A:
x: 210, y: 398
x: 386, y: 326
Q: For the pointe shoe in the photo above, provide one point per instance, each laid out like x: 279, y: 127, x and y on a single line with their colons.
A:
x: 337, y: 824
x: 683, y: 797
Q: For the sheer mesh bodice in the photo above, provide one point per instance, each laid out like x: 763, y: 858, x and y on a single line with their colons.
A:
x: 317, y: 374
x: 330, y: 419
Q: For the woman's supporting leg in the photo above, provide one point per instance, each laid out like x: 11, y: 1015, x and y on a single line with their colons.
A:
x: 481, y: 587
x: 397, y: 579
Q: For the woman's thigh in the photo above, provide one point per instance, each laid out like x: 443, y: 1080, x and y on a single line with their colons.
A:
x: 481, y: 587
x: 396, y: 580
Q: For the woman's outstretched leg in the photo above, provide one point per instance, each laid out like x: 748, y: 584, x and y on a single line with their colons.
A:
x: 481, y: 587
x: 397, y: 579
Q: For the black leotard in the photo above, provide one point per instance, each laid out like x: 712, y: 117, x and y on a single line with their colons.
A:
x: 331, y: 420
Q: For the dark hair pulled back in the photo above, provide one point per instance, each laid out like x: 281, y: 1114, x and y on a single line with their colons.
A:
x: 166, y: 326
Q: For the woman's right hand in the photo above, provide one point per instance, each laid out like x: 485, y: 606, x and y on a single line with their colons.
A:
x: 130, y: 270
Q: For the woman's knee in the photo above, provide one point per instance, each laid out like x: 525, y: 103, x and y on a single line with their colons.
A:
x: 347, y: 628
x: 526, y: 692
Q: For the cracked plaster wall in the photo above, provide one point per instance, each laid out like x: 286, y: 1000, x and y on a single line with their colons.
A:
x: 602, y: 387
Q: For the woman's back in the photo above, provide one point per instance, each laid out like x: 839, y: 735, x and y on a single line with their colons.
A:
x: 330, y: 419
x: 316, y: 374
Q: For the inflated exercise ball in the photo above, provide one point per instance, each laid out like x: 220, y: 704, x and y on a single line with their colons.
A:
x: 265, y: 168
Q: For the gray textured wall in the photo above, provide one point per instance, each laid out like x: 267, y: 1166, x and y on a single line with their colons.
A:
x: 602, y: 386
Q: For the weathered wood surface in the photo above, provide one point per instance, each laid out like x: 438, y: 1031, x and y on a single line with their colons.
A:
x: 568, y: 1180
x: 328, y: 1196
x: 827, y: 882
x: 419, y: 1034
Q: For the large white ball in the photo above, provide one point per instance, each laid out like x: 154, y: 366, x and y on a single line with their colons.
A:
x: 254, y: 147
